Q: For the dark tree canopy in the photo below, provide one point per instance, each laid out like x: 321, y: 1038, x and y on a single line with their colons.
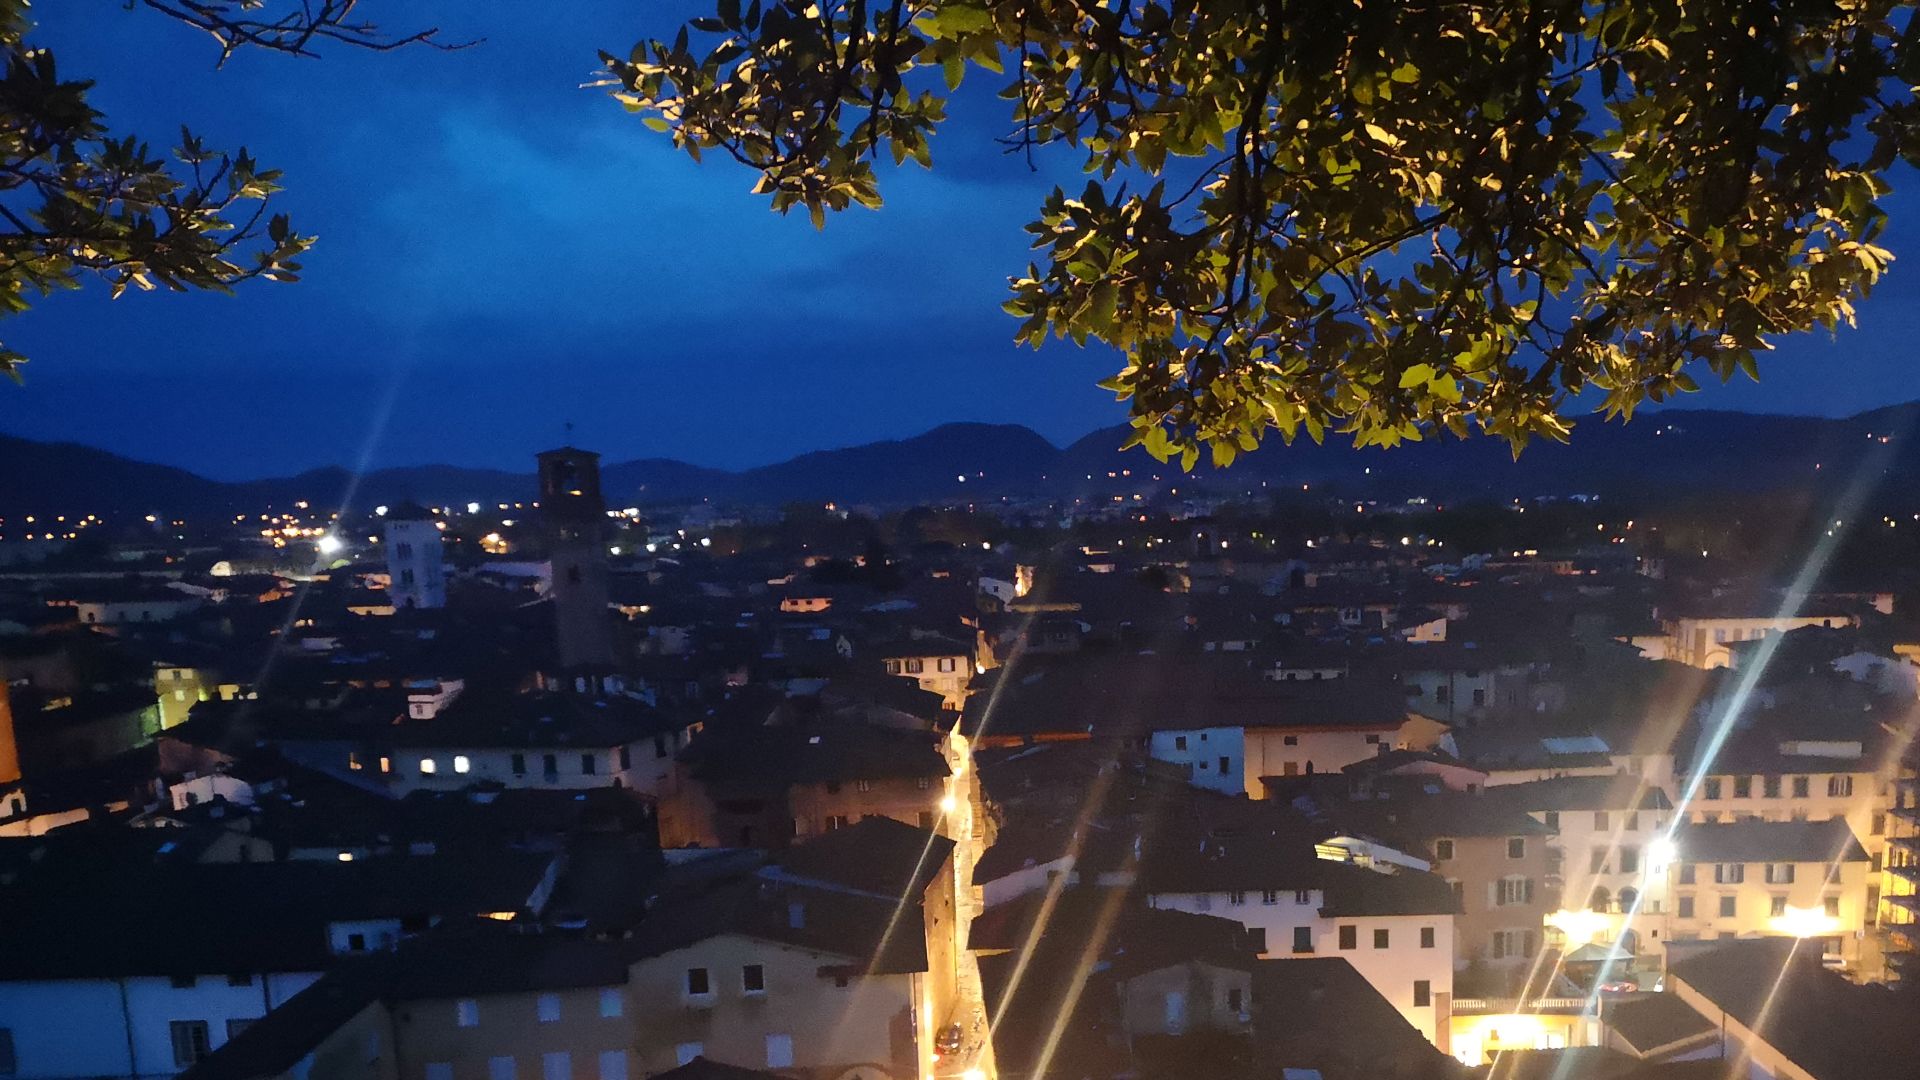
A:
x: 1386, y: 219
x: 78, y: 201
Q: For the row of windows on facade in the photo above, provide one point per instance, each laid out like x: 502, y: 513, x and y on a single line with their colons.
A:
x: 945, y: 665
x: 1729, y: 906
x: 1347, y: 938
x: 546, y: 1008
x: 1839, y: 786
x: 1180, y: 742
x: 549, y: 763
x: 1876, y: 827
x: 1736, y: 873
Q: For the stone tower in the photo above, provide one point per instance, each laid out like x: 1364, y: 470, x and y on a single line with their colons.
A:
x: 417, y: 572
x: 576, y: 523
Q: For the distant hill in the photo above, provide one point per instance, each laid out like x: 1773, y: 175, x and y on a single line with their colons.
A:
x: 1676, y: 451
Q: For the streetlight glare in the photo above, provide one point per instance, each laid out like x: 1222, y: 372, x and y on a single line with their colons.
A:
x: 329, y: 544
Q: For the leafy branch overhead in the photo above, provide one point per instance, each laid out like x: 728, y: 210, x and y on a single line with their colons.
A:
x: 77, y: 201
x: 1388, y: 220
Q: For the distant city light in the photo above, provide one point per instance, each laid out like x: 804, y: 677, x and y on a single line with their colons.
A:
x: 473, y: 508
x: 379, y: 511
x: 329, y: 544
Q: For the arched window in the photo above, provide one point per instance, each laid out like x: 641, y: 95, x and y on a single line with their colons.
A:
x: 1601, y: 898
x: 1628, y: 896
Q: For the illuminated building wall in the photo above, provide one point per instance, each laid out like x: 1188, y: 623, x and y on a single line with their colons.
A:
x: 1727, y: 900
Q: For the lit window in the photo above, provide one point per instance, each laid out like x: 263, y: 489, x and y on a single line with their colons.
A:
x: 461, y: 763
x: 613, y: 1065
x: 549, y: 1008
x: 779, y: 1051
x: 427, y: 766
x: 467, y: 1012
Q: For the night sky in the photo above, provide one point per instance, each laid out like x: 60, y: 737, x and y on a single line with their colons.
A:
x: 502, y: 251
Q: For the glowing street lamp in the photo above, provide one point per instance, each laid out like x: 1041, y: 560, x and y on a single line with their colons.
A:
x: 329, y: 544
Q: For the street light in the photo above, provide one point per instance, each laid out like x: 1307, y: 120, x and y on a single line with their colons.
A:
x: 329, y: 544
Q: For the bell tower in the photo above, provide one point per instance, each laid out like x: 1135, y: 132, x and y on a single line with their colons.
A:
x: 576, y: 522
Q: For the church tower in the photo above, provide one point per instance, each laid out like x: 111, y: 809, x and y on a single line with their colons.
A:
x: 576, y: 522
x: 417, y: 574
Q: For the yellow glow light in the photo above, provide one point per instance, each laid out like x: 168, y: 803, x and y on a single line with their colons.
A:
x: 1581, y: 927
x: 1805, y: 923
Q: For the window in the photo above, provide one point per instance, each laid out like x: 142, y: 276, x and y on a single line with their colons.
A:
x: 1422, y: 993
x: 1426, y: 937
x: 1629, y: 860
x: 1729, y: 906
x: 1513, y: 890
x: 1729, y: 873
x: 234, y: 1028
x: 589, y: 764
x: 466, y: 1012
x: 428, y: 767
x: 519, y: 764
x: 1373, y: 740
x: 753, y: 978
x: 1179, y: 742
x: 1743, y: 787
x: 439, y: 1070
x: 686, y: 1052
x: 1552, y: 820
x: 1778, y: 907
x: 610, y: 1003
x: 1381, y: 939
x: 947, y: 665
x: 1257, y: 938
x: 1303, y: 939
x: 697, y: 983
x: 189, y: 1041
x: 550, y: 764
x: 1800, y: 787
x: 1779, y: 873
x: 613, y: 1065
x: 462, y: 763
x: 501, y: 1068
x: 1508, y: 943
x: 659, y: 746
x: 1236, y: 898
x: 1600, y: 820
x: 1349, y: 937
x: 915, y: 667
x: 1839, y: 787
x: 1442, y: 850
x: 1878, y: 827
x: 1289, y: 740
x: 1770, y: 786
x: 1270, y: 896
x: 1711, y: 789
x: 1686, y: 873
x: 1516, y: 847
x: 556, y: 1065
x: 1597, y: 861
x: 1236, y: 1000
x: 356, y: 943
x: 1685, y: 904
x: 779, y: 1051
x: 1226, y: 765
x: 1831, y: 905
x: 548, y: 1008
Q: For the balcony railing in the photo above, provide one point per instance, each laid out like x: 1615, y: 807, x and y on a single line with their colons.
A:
x: 1503, y: 1006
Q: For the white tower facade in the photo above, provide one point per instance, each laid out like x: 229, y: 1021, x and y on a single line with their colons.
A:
x: 418, y: 576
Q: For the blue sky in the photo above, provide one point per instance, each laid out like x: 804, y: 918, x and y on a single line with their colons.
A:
x: 502, y: 252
